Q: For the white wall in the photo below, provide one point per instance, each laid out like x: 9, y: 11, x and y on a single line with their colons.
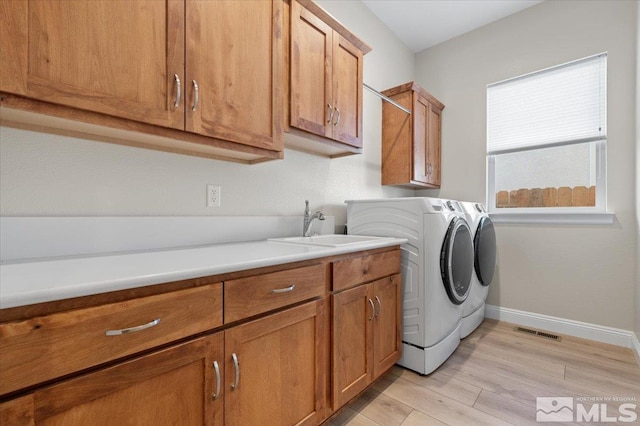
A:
x: 48, y: 175
x: 583, y: 273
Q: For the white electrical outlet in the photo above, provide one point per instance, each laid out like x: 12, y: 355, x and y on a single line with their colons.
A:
x: 213, y: 195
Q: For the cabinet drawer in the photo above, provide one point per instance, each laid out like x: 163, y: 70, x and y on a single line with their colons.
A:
x: 351, y: 272
x: 51, y: 346
x: 262, y: 293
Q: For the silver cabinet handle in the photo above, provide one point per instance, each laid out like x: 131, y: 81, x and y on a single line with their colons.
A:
x: 283, y: 290
x: 379, y: 307
x: 133, y: 329
x: 429, y: 168
x: 330, y: 112
x: 176, y: 104
x: 373, y: 310
x: 216, y: 368
x: 196, y: 96
x: 337, y: 119
x: 236, y: 367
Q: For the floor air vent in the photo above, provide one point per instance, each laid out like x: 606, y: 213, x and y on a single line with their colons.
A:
x: 539, y: 333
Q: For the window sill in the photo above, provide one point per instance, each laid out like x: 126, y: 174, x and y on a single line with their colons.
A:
x: 555, y: 218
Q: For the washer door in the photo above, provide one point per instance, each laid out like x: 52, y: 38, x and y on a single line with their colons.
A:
x: 485, y: 251
x: 456, y: 260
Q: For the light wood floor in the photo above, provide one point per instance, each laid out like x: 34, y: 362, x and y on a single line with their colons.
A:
x: 494, y: 377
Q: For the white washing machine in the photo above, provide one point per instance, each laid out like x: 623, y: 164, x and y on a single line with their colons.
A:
x: 437, y: 264
x: 484, y: 266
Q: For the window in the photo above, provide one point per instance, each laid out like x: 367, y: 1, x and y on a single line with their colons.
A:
x: 546, y: 141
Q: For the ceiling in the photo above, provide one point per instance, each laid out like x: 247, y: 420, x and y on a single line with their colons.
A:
x: 424, y: 23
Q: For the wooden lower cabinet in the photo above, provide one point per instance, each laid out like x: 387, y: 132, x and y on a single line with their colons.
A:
x: 280, y: 374
x: 168, y: 387
x: 366, y: 336
x: 280, y: 378
x: 40, y: 349
x: 292, y: 367
x: 352, y: 343
x: 387, y: 330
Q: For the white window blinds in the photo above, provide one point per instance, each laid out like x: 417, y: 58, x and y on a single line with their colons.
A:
x: 557, y: 106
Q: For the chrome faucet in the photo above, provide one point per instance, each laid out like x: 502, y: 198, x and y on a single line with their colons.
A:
x: 308, y: 219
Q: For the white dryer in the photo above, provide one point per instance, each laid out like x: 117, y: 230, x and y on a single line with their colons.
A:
x: 437, y: 264
x: 484, y: 265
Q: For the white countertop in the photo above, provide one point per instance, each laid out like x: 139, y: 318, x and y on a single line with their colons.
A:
x: 61, y: 278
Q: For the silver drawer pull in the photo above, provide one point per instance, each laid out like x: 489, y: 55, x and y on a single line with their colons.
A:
x: 196, y: 96
x: 176, y: 104
x: 236, y: 368
x: 283, y: 290
x: 133, y: 329
x: 379, y: 307
x: 216, y: 368
x: 373, y: 309
x: 329, y: 113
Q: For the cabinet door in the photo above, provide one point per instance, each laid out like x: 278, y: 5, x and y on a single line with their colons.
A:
x: 234, y: 56
x: 434, y: 121
x: 347, y: 92
x: 420, y: 139
x: 172, y: 386
x: 114, y: 57
x: 311, y: 63
x: 426, y: 154
x: 397, y: 140
x: 276, y: 368
x: 18, y: 411
x: 353, y: 313
x: 387, y: 335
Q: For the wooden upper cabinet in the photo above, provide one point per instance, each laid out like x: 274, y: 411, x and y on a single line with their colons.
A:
x: 113, y: 57
x: 434, y: 124
x: 347, y: 92
x: 426, y: 147
x: 411, y: 142
x: 311, y: 64
x: 195, y: 77
x: 234, y: 56
x: 325, y: 84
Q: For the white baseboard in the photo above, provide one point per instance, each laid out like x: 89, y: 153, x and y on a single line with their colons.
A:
x: 636, y: 346
x: 599, y: 333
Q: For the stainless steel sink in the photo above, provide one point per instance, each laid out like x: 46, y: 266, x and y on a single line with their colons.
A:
x: 328, y: 240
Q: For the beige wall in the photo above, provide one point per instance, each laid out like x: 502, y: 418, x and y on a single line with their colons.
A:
x: 583, y: 273
x: 51, y: 175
